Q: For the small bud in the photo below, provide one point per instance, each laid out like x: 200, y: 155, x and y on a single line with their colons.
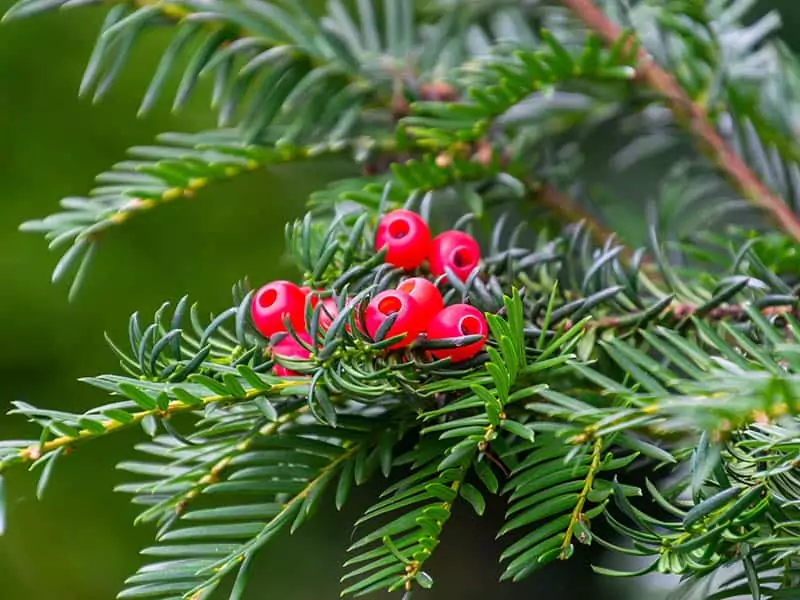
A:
x: 485, y: 153
x: 438, y: 91
x: 444, y: 160
x: 400, y: 107
x: 172, y: 194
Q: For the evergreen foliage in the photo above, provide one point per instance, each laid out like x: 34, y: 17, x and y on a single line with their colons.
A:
x: 679, y: 359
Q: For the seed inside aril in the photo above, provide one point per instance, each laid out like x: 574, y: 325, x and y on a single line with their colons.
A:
x: 408, y: 286
x: 469, y: 325
x: 389, y: 305
x: 461, y: 257
x: 399, y: 228
x: 268, y: 298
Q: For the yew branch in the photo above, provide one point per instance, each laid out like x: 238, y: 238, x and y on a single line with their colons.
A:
x: 695, y: 119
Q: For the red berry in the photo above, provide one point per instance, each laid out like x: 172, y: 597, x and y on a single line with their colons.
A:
x: 408, y: 319
x: 427, y: 296
x: 309, y: 293
x: 328, y: 313
x: 356, y: 316
x: 274, y: 301
x: 455, y: 321
x: 457, y: 250
x: 405, y: 236
x: 290, y: 348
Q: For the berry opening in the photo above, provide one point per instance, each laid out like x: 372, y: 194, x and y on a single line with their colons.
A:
x: 469, y: 325
x: 268, y: 298
x: 407, y: 287
x: 462, y: 257
x: 389, y: 305
x: 399, y: 228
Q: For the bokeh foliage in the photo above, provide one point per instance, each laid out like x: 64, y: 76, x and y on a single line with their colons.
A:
x: 54, y: 145
x: 78, y: 543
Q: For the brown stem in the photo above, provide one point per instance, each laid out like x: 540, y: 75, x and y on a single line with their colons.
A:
x: 694, y: 119
x: 563, y: 205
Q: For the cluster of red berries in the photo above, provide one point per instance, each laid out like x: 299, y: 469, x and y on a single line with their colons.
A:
x: 408, y: 244
x: 416, y: 305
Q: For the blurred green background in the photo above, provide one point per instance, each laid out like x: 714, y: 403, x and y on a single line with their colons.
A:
x: 78, y: 543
